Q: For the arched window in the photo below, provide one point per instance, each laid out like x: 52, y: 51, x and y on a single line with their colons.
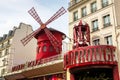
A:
x: 57, y: 49
x: 51, y: 48
x: 44, y: 49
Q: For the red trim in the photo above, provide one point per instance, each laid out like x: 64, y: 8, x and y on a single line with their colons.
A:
x: 90, y: 55
x: 116, y: 73
x: 43, y: 40
x: 93, y: 64
x: 36, y: 62
x: 72, y: 77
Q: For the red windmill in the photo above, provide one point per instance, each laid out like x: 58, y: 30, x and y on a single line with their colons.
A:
x: 44, y: 35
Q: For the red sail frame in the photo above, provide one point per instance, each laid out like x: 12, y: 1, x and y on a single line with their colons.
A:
x: 56, y: 43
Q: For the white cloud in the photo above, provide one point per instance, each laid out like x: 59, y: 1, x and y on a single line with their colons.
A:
x: 15, y: 11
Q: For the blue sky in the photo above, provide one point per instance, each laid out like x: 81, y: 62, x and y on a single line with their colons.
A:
x: 13, y: 12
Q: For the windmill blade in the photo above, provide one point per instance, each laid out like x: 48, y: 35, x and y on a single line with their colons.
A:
x: 52, y: 37
x: 55, y: 43
x: 59, y: 13
x: 26, y: 39
x: 34, y: 14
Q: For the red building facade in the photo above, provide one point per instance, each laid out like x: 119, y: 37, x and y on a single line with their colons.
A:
x: 45, y: 48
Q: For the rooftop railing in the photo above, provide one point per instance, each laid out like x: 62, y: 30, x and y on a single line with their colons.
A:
x: 73, y: 2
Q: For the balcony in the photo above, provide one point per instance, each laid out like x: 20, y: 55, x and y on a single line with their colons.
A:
x: 44, y: 66
x: 95, y: 29
x: 75, y: 3
x: 107, y: 24
x: 94, y: 9
x: 90, y: 56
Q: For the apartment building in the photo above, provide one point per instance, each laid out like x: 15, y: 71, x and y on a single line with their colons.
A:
x: 12, y: 52
x: 103, y: 18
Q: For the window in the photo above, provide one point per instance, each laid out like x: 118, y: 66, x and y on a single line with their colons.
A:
x: 0, y: 53
x: 10, y: 33
x: 5, y: 62
x: 104, y: 3
x: 77, y: 1
x: 84, y: 12
x: 2, y: 45
x: 106, y: 20
x: 51, y: 48
x: 1, y: 38
x: 6, y: 51
x: 8, y: 42
x: 75, y: 16
x: 44, y: 48
x: 95, y: 25
x: 96, y: 42
x: 4, y: 36
x: 3, y: 71
x: 57, y: 49
x: 93, y: 7
x: 108, y: 40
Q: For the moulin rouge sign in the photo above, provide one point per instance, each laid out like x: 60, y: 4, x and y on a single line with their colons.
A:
x: 35, y: 63
x: 27, y: 65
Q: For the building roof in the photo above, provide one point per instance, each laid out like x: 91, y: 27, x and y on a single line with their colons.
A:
x: 6, y: 36
x: 11, y: 33
x: 52, y: 30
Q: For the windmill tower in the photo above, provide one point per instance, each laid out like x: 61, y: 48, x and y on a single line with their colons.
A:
x: 49, y: 40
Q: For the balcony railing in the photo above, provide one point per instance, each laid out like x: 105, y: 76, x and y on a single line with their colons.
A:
x: 37, y: 62
x: 107, y: 24
x: 74, y: 2
x: 91, y: 55
x: 95, y: 29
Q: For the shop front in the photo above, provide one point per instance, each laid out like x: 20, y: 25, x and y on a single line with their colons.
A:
x: 93, y: 74
x: 91, y: 63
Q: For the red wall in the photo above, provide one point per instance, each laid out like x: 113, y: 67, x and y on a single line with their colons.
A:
x: 43, y: 42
